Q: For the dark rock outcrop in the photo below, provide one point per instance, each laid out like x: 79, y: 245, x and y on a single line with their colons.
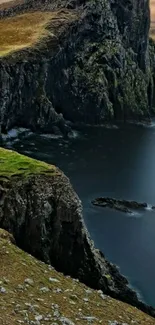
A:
x: 96, y: 68
x: 39, y: 207
x: 122, y: 205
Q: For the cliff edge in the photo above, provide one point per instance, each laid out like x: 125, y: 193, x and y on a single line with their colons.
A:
x: 91, y: 64
x: 39, y: 207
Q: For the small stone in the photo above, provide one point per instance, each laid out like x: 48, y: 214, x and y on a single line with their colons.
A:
x: 88, y: 291
x: 38, y: 317
x: 89, y: 318
x: 20, y: 321
x: 40, y: 299
x: 27, y: 304
x: 17, y: 306
x: 72, y: 302
x: 58, y: 290
x: 29, y: 281
x: 44, y: 289
x: 53, y: 280
x: 66, y: 321
x: 20, y: 287
x: 85, y: 299
x: 56, y: 313
x: 102, y: 296
x: 2, y: 290
x: 5, y: 280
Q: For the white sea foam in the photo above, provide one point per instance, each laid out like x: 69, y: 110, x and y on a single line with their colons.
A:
x: 149, y: 207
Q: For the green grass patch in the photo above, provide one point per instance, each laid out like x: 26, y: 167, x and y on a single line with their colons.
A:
x: 13, y: 164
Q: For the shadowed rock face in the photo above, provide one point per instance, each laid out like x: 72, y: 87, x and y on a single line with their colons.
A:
x: 95, y: 69
x: 134, y: 21
x: 45, y: 216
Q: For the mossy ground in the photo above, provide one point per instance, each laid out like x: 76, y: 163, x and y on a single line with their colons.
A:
x: 14, y: 164
x: 27, y: 30
x: 22, y: 301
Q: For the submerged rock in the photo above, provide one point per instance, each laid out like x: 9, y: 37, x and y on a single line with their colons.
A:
x: 122, y: 205
x: 40, y: 208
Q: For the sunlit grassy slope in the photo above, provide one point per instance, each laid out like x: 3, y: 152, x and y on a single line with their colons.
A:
x: 26, y: 30
x: 33, y: 293
x: 13, y: 164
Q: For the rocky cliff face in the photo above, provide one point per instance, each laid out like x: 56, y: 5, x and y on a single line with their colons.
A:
x: 39, y: 207
x: 97, y: 68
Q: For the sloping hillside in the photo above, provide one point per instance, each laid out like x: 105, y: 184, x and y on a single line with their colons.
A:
x: 32, y: 292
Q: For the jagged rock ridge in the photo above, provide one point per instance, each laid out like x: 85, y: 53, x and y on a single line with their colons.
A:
x: 97, y: 68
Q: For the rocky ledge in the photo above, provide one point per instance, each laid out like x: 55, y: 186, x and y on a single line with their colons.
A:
x: 40, y: 208
x: 92, y: 65
x: 34, y: 293
x: 121, y: 205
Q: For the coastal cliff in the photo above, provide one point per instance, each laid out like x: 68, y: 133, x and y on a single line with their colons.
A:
x: 40, y: 208
x: 92, y: 66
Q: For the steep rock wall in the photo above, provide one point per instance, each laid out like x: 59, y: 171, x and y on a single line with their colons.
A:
x: 99, y: 69
x: 42, y: 211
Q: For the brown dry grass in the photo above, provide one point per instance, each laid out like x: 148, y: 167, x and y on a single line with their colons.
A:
x: 152, y: 28
x: 9, y: 3
x: 27, y: 30
x: 4, y: 1
x: 23, y: 30
x: 16, y: 266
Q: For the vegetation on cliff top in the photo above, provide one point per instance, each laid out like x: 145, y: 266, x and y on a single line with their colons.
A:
x: 32, y: 292
x: 15, y: 164
x: 6, y: 4
x: 152, y: 27
x: 28, y: 29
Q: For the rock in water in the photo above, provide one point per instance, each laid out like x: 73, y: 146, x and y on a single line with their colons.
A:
x: 122, y: 205
x: 40, y: 208
x: 93, y: 67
